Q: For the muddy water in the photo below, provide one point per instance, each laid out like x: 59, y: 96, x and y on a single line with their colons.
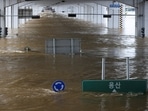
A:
x: 26, y: 77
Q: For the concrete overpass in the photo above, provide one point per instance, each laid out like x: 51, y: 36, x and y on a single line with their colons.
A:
x: 10, y: 12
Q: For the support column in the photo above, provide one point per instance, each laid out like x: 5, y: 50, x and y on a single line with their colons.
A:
x: 8, y: 17
x: 141, y: 19
x: 14, y: 19
x: 114, y: 20
x: 89, y: 12
x: 15, y: 23
x: 146, y: 19
x: 93, y: 11
x: 102, y: 10
x: 81, y: 11
x: 96, y: 12
x: 2, y: 17
x: 85, y: 11
x: 99, y: 17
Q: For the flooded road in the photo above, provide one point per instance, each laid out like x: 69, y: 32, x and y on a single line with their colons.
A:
x: 26, y: 77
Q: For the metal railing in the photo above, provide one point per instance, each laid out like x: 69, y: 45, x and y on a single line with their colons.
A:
x: 127, y: 69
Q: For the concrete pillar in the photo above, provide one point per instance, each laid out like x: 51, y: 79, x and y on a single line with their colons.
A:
x: 81, y: 11
x: 89, y: 13
x: 85, y: 12
x: 36, y: 9
x: 104, y: 21
x: 15, y: 22
x: 113, y: 22
x: 8, y: 17
x: 96, y: 12
x: 2, y: 17
x: 141, y: 18
x: 92, y: 12
x: 146, y: 19
x: 12, y: 16
x: 100, y: 15
x: 99, y: 11
x: 117, y: 19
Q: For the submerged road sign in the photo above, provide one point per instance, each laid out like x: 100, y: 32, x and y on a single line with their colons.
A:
x: 63, y: 46
x: 111, y: 86
x: 58, y: 86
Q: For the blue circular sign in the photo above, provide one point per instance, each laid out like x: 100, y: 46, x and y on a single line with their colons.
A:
x: 58, y: 86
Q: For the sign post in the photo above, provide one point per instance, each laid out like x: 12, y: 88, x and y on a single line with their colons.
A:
x: 103, y: 68
x: 113, y: 86
x: 127, y: 68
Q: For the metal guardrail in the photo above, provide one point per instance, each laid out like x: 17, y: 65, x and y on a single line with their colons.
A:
x: 127, y: 69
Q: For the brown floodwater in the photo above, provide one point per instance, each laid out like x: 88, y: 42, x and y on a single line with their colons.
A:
x: 26, y: 77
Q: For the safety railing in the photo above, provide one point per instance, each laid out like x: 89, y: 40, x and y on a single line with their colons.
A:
x: 127, y: 68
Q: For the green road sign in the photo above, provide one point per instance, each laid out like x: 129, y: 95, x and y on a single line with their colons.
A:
x: 110, y: 86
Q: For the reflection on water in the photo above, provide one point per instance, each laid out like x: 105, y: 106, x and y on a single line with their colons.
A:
x: 26, y: 77
x: 117, y: 46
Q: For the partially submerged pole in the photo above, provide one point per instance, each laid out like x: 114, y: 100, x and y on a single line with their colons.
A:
x: 127, y: 68
x: 103, y: 68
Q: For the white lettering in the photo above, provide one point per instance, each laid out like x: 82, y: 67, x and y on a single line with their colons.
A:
x: 114, y: 85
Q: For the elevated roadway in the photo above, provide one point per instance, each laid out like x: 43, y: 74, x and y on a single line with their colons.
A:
x: 9, y: 16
